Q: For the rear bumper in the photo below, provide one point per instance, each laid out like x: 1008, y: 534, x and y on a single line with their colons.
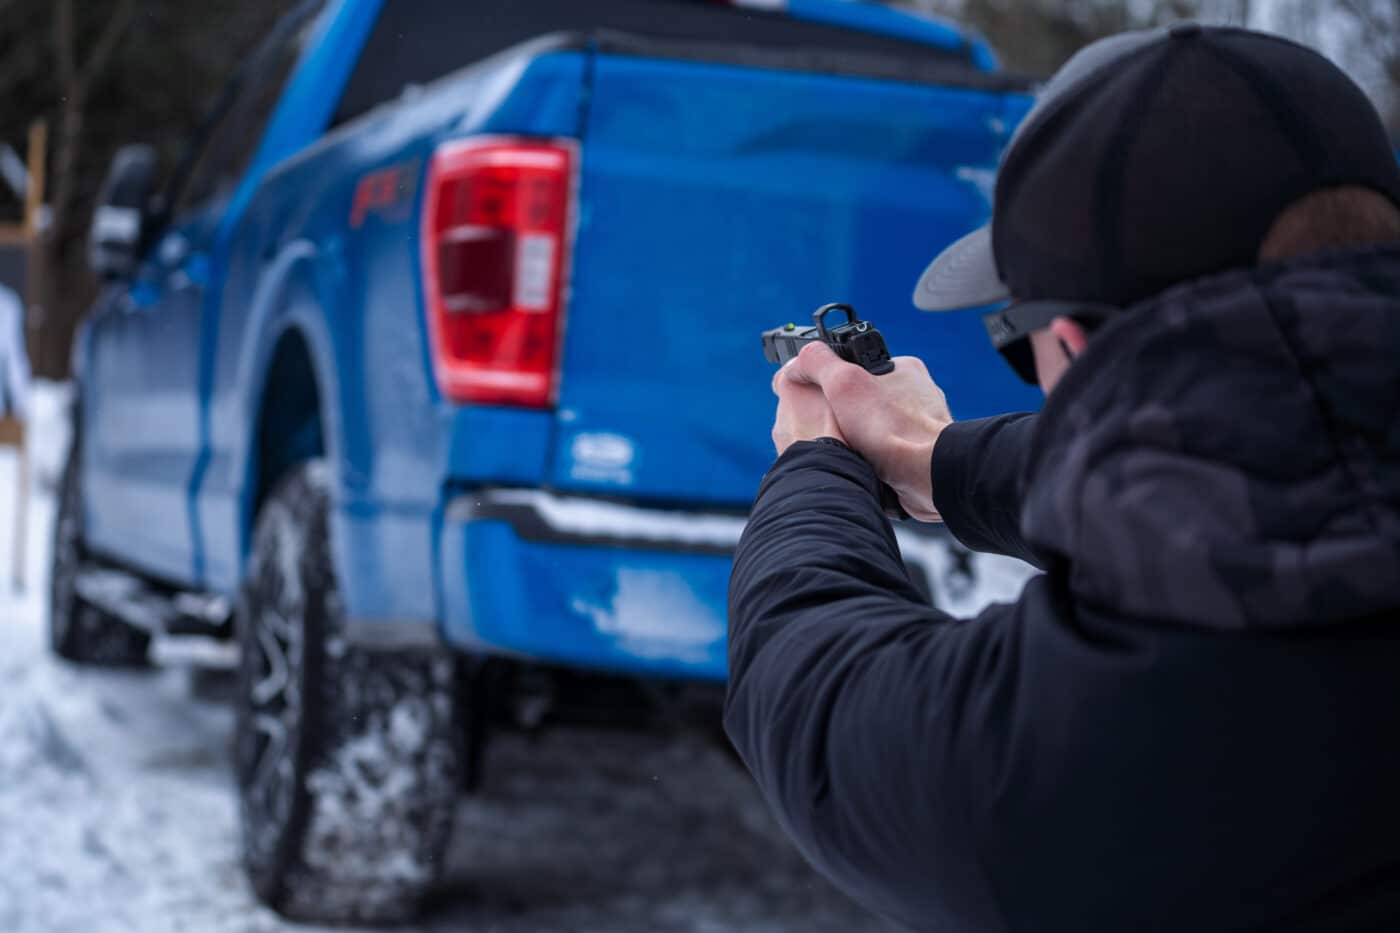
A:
x: 587, y: 583
x: 592, y: 584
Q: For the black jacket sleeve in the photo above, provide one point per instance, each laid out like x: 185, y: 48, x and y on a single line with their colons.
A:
x: 976, y: 470
x: 856, y: 706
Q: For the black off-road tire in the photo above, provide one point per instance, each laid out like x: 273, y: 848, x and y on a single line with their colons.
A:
x: 79, y: 631
x: 348, y: 761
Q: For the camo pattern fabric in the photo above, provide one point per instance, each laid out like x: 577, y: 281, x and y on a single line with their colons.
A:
x: 1227, y: 454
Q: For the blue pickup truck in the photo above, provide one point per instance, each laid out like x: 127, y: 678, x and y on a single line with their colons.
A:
x: 430, y: 375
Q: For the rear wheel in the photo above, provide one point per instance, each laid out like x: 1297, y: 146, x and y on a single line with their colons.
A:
x: 78, y: 630
x: 348, y: 760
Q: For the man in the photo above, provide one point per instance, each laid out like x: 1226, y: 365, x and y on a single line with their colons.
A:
x: 1191, y: 720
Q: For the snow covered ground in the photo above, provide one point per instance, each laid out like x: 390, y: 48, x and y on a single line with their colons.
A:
x: 117, y: 814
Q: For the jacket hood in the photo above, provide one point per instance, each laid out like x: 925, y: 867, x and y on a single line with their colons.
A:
x: 1227, y: 454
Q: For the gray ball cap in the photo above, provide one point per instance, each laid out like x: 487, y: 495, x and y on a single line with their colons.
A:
x: 965, y: 274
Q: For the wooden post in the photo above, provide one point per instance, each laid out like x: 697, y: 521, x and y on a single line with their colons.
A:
x: 12, y: 434
x: 34, y: 194
x: 36, y: 273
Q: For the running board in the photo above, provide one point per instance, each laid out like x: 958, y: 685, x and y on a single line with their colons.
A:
x: 142, y: 605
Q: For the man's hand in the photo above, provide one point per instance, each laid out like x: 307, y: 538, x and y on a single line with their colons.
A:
x: 803, y: 413
x: 892, y: 420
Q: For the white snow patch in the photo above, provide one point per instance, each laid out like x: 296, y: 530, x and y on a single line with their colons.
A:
x: 289, y: 554
x: 982, y: 179
x: 655, y: 614
x: 362, y: 784
x: 595, y: 518
x: 408, y: 726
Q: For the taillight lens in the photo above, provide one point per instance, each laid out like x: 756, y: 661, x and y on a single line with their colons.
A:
x: 496, y: 225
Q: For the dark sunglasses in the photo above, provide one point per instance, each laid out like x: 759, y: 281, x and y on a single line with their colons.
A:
x: 1011, y: 327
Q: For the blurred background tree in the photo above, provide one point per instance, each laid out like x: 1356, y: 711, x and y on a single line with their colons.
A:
x: 106, y: 72
x: 1036, y: 36
x: 103, y: 73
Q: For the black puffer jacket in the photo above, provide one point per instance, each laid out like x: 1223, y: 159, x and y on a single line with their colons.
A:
x: 1191, y: 721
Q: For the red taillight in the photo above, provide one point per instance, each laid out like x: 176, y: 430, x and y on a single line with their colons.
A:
x: 496, y: 225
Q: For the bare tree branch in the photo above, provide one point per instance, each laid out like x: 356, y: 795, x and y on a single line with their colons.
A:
x: 74, y: 84
x: 63, y: 42
x: 107, y: 42
x: 1368, y: 14
x: 1378, y: 36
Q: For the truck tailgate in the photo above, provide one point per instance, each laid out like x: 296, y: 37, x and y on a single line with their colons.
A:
x: 716, y: 201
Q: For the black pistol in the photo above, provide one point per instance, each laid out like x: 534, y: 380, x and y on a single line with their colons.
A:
x: 855, y: 341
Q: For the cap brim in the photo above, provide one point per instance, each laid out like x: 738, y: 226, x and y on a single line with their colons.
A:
x: 963, y: 276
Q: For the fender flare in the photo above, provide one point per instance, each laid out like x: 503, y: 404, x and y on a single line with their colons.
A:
x: 292, y: 298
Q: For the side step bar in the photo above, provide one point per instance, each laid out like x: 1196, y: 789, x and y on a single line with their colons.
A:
x: 175, y: 615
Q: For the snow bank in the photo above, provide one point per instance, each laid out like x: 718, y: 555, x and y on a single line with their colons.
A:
x: 115, y: 807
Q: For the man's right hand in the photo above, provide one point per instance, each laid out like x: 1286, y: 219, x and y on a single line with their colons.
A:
x: 892, y: 420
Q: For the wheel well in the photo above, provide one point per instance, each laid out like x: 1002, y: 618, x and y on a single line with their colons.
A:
x: 289, y: 426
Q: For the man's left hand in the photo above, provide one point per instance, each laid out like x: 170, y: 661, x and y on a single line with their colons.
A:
x: 803, y: 413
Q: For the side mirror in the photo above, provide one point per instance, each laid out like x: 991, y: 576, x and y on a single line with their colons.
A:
x: 114, y: 241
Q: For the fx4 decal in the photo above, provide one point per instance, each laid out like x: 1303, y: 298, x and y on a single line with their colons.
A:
x: 385, y: 192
